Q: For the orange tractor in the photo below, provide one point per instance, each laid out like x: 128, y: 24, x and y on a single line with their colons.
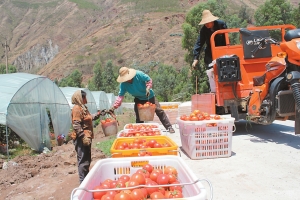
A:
x: 258, y: 78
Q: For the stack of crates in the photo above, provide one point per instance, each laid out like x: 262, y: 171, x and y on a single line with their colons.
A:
x: 169, y: 147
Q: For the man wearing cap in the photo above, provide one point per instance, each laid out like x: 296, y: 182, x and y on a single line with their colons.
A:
x: 211, y: 24
x: 139, y: 85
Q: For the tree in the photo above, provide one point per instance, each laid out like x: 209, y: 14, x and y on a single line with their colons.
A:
x: 96, y: 82
x: 274, y: 12
x: 73, y: 80
x: 296, y: 16
x: 11, y: 69
x: 108, y: 78
x: 164, y: 82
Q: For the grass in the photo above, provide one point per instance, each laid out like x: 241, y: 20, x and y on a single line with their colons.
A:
x: 105, y: 146
x: 144, y: 6
x: 23, y: 4
x: 84, y: 4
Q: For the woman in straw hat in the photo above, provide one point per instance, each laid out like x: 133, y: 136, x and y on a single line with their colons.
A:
x: 139, y: 85
x: 211, y: 24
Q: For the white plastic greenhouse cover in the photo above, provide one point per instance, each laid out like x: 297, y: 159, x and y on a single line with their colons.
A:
x: 24, y: 101
x: 91, y: 103
x: 101, y: 100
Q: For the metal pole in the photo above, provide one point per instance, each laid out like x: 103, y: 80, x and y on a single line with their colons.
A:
x: 6, y: 57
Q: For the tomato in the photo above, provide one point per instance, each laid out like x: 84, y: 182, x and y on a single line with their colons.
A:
x: 196, y: 112
x: 121, y: 183
x: 163, y: 179
x: 137, y: 194
x: 152, y: 142
x: 112, y: 192
x: 120, y: 147
x: 144, y: 173
x: 172, y: 178
x: 175, y: 194
x: 132, y: 183
x: 148, y: 167
x: 113, y: 184
x: 98, y: 195
x: 154, y: 175
x: 183, y: 117
x: 125, y: 177
x: 194, y: 118
x: 157, y: 195
x: 107, y: 197
x: 140, y: 178
x: 217, y: 117
x: 175, y: 187
x: 122, y: 196
x: 157, y: 145
x: 170, y: 170
x: 150, y: 190
x: 158, y: 171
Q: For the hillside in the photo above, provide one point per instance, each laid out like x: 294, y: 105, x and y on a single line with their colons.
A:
x: 53, y: 38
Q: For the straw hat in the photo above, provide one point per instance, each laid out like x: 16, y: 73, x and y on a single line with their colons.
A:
x: 125, y: 74
x: 207, y: 17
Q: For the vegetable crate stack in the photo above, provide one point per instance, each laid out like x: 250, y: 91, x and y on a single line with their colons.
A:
x: 122, y: 179
x: 206, y: 136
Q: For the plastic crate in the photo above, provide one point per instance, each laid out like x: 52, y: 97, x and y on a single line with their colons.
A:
x: 113, y: 168
x: 172, y: 150
x: 154, y: 125
x: 207, y: 138
x: 127, y: 132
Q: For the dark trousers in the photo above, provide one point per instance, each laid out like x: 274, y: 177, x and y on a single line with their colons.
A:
x: 159, y: 112
x: 84, y: 158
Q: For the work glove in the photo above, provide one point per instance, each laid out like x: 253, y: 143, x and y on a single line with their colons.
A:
x: 194, y: 64
x: 147, y: 92
x: 87, y: 138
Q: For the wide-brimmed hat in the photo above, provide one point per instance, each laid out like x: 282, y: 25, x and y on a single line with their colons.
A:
x: 207, y: 17
x: 126, y: 74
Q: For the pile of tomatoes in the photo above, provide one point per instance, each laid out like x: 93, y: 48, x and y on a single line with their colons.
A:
x: 140, y: 126
x: 107, y: 121
x: 197, y: 115
x: 140, y: 143
x: 146, y: 176
x: 146, y: 105
x: 136, y: 130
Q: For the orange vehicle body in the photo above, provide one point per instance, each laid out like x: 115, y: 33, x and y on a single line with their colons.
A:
x: 262, y: 91
x: 249, y: 67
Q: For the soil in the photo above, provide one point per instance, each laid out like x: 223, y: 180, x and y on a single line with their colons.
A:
x: 46, y: 176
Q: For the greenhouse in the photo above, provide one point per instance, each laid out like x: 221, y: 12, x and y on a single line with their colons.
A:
x: 91, y: 103
x: 101, y: 100
x: 27, y: 105
x: 111, y: 99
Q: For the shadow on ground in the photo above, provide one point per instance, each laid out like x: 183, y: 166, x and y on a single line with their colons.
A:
x: 276, y: 133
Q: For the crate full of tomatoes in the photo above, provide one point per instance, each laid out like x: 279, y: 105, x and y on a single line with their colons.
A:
x: 143, y: 146
x: 135, y: 133
x: 136, y: 177
x: 206, y: 136
x: 146, y: 111
x: 141, y: 129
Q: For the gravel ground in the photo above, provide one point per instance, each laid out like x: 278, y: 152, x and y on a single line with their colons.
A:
x: 264, y: 164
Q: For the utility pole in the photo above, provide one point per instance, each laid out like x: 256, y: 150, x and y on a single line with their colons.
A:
x: 6, y: 57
